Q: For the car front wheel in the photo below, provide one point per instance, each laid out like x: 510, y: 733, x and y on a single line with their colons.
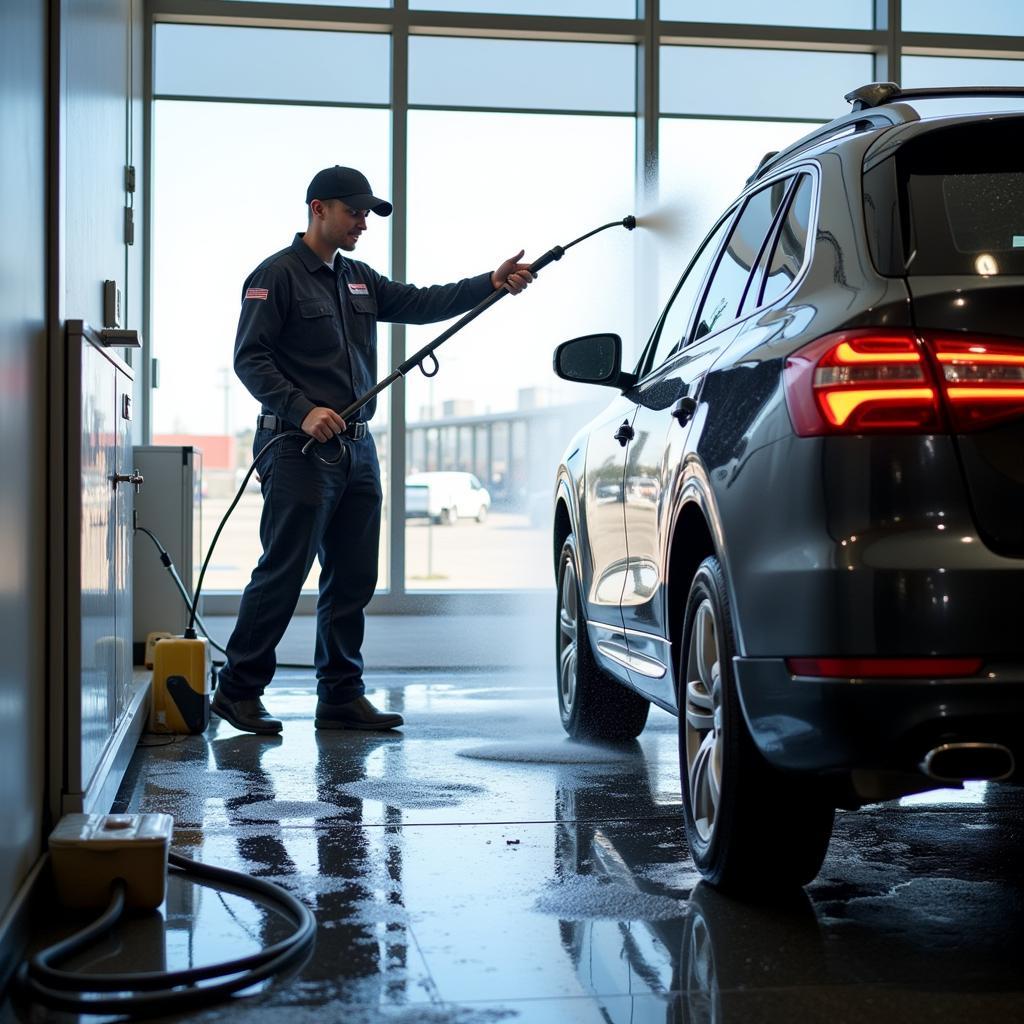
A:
x: 591, y: 703
x: 749, y: 827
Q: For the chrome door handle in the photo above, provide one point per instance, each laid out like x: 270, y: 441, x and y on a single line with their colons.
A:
x: 684, y: 409
x: 624, y: 434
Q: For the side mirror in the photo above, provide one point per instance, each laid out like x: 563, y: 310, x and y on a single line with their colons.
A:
x: 592, y: 359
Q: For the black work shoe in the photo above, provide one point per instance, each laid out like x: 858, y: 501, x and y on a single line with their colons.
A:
x: 356, y: 714
x: 249, y: 715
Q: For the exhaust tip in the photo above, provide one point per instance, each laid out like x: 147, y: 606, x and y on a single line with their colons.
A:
x: 629, y: 222
x: 969, y: 762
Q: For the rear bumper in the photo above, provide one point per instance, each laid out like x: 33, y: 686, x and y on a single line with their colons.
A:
x: 828, y: 725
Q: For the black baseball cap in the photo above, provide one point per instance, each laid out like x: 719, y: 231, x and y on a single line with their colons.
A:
x: 349, y: 184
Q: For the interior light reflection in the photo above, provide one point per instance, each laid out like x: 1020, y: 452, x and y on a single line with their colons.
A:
x: 986, y: 264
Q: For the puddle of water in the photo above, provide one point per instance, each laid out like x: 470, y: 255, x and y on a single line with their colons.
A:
x: 552, y: 752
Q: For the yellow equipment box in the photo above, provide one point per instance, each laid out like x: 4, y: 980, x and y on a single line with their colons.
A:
x: 89, y: 851
x: 181, y: 686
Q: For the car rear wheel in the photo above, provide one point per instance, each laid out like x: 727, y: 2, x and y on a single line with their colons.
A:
x: 732, y: 798
x: 591, y: 703
x: 449, y: 516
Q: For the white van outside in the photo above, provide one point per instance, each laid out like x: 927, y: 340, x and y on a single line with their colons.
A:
x: 446, y: 497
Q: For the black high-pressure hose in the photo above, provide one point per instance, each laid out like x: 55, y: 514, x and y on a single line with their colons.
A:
x: 416, y: 359
x: 155, y: 992
x: 168, y: 564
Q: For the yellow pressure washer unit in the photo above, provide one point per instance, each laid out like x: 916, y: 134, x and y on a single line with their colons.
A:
x: 181, y: 685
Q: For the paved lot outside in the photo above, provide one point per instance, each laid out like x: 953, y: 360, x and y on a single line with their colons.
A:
x: 505, y: 552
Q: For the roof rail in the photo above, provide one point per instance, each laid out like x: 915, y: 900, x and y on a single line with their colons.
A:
x: 858, y: 120
x: 876, y: 94
x: 876, y: 105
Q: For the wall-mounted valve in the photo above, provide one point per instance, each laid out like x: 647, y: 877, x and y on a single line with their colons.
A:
x: 135, y: 478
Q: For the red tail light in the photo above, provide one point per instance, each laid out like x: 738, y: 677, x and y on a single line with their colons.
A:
x: 862, y: 382
x: 882, y: 668
x: 892, y: 381
x: 983, y: 380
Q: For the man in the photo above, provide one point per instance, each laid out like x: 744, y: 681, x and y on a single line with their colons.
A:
x: 306, y: 347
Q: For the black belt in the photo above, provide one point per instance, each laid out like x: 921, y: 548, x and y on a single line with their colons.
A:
x: 356, y: 430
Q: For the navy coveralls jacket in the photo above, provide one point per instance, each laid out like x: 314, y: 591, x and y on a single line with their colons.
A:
x: 307, y: 333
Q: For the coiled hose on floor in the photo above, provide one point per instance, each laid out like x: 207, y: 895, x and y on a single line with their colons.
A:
x: 148, y: 993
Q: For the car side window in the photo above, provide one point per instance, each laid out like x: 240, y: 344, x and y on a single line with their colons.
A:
x: 677, y: 315
x: 729, y: 281
x: 790, y: 246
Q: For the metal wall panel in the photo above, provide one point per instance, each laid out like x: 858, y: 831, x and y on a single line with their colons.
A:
x: 23, y: 452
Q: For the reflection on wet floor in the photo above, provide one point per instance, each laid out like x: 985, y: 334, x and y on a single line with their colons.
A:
x: 479, y: 867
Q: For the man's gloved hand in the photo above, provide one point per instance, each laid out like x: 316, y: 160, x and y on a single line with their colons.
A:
x: 512, y: 275
x: 322, y: 423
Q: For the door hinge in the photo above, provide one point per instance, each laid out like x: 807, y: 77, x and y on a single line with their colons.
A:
x: 154, y: 372
x: 129, y: 226
x: 129, y: 178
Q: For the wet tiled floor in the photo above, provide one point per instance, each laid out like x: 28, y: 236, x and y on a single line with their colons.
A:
x: 478, y: 867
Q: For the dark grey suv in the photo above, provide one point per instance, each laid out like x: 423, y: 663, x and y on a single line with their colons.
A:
x: 800, y: 526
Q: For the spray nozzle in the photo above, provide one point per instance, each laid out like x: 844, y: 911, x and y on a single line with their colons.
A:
x: 627, y: 222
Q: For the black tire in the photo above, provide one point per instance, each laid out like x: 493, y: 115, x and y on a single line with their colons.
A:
x: 592, y: 705
x: 449, y: 516
x: 481, y: 516
x: 749, y: 827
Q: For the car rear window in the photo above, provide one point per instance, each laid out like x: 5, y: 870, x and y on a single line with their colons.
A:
x: 950, y: 202
x: 985, y: 212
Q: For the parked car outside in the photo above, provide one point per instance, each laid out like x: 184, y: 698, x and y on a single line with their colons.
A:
x: 800, y: 524
x: 446, y: 497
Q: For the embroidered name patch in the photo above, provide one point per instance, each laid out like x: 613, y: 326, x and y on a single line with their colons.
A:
x: 358, y: 289
x: 255, y: 293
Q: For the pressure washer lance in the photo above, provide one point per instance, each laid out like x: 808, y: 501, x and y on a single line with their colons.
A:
x: 416, y: 359
x: 427, y: 352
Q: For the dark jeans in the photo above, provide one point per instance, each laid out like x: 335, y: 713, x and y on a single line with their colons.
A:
x: 310, y: 510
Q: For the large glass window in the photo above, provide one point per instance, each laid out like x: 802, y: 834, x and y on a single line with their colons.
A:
x: 229, y: 185
x: 779, y: 84
x: 278, y: 64
x: 510, y: 181
x: 335, y: 3
x: 819, y: 13
x: 552, y: 8
x: 493, y: 73
x: 924, y: 71
x: 513, y: 139
x: 921, y: 72
x: 990, y: 17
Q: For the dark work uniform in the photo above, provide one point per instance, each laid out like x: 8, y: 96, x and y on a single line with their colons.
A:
x: 307, y: 337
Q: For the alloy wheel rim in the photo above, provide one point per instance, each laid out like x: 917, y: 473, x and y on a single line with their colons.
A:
x: 568, y: 614
x: 702, y: 712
